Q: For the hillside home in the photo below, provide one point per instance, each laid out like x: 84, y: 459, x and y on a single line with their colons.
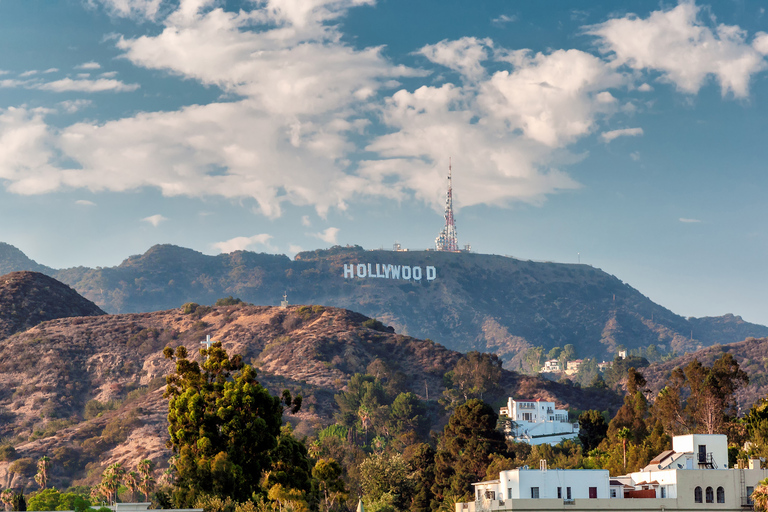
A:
x: 572, y: 367
x: 553, y: 365
x: 538, y: 422
x: 694, y: 475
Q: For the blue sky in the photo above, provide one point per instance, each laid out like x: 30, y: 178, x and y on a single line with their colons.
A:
x: 631, y: 138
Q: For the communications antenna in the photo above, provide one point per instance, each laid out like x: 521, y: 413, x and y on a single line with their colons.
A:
x: 447, y: 240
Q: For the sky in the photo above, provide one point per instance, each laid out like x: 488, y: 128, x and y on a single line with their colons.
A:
x: 630, y: 136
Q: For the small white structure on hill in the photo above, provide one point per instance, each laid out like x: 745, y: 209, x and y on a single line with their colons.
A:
x: 538, y: 422
x: 694, y: 475
x: 553, y: 365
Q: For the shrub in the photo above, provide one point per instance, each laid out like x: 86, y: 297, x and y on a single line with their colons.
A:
x: 25, y: 467
x: 189, y: 308
x: 376, y: 325
x: 228, y: 301
x: 7, y: 453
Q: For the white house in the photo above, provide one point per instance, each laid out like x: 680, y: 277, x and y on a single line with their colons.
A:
x: 538, y: 422
x: 553, y: 365
x: 668, y: 483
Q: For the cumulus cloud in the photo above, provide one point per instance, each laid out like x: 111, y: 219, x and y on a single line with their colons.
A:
x: 85, y: 202
x: 329, y: 236
x: 463, y: 55
x: 645, y: 88
x: 688, y: 221
x: 155, y: 220
x: 242, y: 243
x: 624, y: 132
x: 72, y: 106
x: 679, y: 45
x: 83, y: 85
x: 504, y: 19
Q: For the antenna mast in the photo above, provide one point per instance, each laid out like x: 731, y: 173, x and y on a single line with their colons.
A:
x: 448, y: 240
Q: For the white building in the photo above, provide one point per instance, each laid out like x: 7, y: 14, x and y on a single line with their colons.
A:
x: 538, y: 422
x: 553, y: 365
x: 695, y: 478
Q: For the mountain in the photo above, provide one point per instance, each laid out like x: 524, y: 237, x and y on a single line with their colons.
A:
x: 28, y: 298
x: 475, y: 301
x: 12, y: 260
x: 87, y: 391
x: 750, y: 353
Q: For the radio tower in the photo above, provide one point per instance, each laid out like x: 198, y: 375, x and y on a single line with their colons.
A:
x: 447, y: 239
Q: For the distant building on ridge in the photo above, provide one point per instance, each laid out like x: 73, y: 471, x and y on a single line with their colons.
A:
x: 538, y: 422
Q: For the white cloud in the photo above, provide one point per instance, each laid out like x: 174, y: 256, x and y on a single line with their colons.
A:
x: 99, y: 85
x: 51, y: 70
x: 294, y: 249
x: 688, y: 221
x: 624, y: 132
x: 85, y: 202
x: 155, y: 220
x: 645, y: 88
x: 109, y: 74
x: 89, y: 65
x: 305, y: 221
x: 683, y: 49
x: 242, y: 243
x: 462, y: 55
x: 72, y: 106
x: 504, y: 18
x: 31, y: 72
x: 329, y: 236
x: 635, y: 155
x: 760, y: 43
x: 142, y: 9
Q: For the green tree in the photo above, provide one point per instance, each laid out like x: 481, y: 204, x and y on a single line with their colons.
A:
x: 760, y: 496
x: 111, y: 480
x: 475, y: 375
x: 46, y: 499
x: 147, y: 480
x: 328, y: 474
x: 386, y: 481
x: 464, y: 450
x: 407, y: 416
x: 592, y: 429
x: 132, y: 481
x: 6, y: 497
x: 222, y: 423
x: 43, y: 467
x: 290, y: 463
x: 73, y: 501
x: 624, y: 434
x: 421, y: 462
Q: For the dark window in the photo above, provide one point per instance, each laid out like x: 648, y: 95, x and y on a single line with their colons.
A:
x: 592, y: 492
x: 750, y: 490
x: 510, y: 493
x: 702, y: 453
x: 720, y: 495
x: 710, y: 495
x: 559, y: 493
x: 568, y: 493
x: 534, y: 492
x: 613, y: 493
x: 697, y: 495
x: 663, y: 492
x: 490, y: 495
x: 479, y: 495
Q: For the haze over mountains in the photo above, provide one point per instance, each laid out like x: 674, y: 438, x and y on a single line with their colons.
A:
x: 476, y: 302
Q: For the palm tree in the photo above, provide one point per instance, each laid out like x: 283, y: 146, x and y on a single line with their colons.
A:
x: 146, y: 481
x: 624, y: 433
x: 43, y: 465
x: 132, y: 481
x: 110, y: 481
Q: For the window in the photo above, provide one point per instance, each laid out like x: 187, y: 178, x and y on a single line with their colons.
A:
x: 509, y: 493
x: 592, y: 492
x: 697, y: 495
x: 720, y: 495
x: 490, y: 495
x: 750, y: 490
x: 534, y: 492
x: 613, y: 493
x: 710, y: 495
x: 559, y: 493
x: 568, y: 493
x: 663, y: 492
x: 479, y: 495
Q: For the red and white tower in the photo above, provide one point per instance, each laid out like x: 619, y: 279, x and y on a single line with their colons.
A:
x: 447, y: 239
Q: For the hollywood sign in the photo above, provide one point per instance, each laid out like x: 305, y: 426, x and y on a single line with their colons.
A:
x: 387, y: 271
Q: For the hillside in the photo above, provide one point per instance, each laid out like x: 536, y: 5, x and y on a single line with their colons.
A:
x: 750, y: 353
x: 476, y: 302
x: 28, y: 298
x: 87, y: 391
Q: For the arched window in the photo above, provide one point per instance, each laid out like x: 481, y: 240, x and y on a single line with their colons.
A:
x: 697, y: 495
x: 720, y: 495
x: 710, y: 495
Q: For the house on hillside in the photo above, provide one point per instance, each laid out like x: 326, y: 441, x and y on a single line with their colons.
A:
x: 694, y: 475
x: 573, y: 366
x: 553, y: 365
x: 537, y: 422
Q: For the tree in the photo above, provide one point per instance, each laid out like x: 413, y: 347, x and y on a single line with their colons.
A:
x: 386, y: 481
x: 132, y: 482
x: 110, y: 481
x: 406, y: 415
x: 46, y: 499
x: 465, y: 448
x: 592, y: 429
x: 43, y: 466
x: 328, y: 472
x: 421, y: 462
x: 760, y: 495
x: 475, y: 375
x: 147, y: 481
x: 624, y: 433
x: 290, y: 463
x: 7, y: 498
x: 223, y: 425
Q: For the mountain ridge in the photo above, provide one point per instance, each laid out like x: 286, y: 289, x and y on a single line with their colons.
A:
x: 476, y: 302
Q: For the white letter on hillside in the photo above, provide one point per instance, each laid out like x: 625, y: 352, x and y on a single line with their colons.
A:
x: 361, y: 270
x: 431, y: 273
x: 387, y: 271
x: 417, y: 273
x: 406, y: 272
x: 395, y: 271
x: 349, y: 270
